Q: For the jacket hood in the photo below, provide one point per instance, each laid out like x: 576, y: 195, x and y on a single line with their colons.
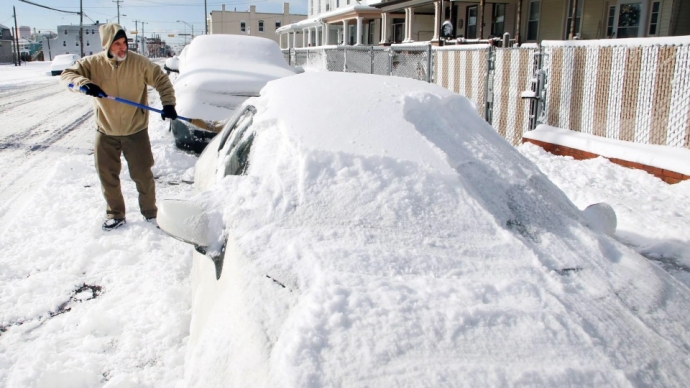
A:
x: 108, y: 32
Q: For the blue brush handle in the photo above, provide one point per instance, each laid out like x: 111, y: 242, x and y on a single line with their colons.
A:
x: 128, y: 102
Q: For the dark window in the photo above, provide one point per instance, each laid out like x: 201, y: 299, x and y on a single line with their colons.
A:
x: 87, y: 32
x: 243, y: 27
x: 371, y: 31
x: 471, y: 31
x: 236, y: 143
x: 87, y: 43
x: 261, y: 26
x: 65, y: 32
x: 654, y: 18
x: 609, y: 23
x: 498, y: 20
x: 64, y: 43
x: 533, y: 22
x: 398, y: 30
x: 277, y: 25
x: 578, y: 18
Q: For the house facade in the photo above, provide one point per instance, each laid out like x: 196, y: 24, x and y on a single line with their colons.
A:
x: 251, y: 23
x: 67, y: 41
x: 405, y: 21
x: 7, y: 50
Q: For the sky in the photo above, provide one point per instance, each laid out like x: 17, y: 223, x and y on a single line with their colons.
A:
x: 160, y: 16
x: 341, y: 233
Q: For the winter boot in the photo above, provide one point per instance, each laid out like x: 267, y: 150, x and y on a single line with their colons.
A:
x: 113, y: 223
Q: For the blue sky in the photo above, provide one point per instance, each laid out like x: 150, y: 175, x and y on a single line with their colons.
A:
x: 161, y: 16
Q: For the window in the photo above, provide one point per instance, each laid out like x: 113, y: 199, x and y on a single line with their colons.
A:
x: 629, y: 20
x: 87, y: 43
x: 498, y: 20
x: 471, y: 25
x: 92, y: 31
x: 578, y: 18
x: 533, y: 21
x: 64, y: 44
x: 398, y: 26
x: 654, y: 18
x: 277, y: 25
x: 65, y: 32
x: 261, y: 26
x: 236, y: 142
x: 87, y: 32
x: 243, y: 27
x: 610, y: 21
x: 337, y: 3
x: 371, y: 31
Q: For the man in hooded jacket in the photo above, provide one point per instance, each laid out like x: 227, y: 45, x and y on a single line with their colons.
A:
x: 121, y: 128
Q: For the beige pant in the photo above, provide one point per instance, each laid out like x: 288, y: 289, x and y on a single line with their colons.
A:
x: 137, y: 151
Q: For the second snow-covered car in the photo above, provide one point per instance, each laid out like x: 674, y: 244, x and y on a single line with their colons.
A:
x: 61, y: 62
x: 217, y: 73
x: 357, y: 230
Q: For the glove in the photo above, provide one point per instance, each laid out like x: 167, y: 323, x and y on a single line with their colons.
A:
x: 93, y: 90
x: 169, y: 112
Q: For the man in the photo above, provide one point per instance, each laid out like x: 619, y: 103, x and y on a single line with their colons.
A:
x: 122, y: 129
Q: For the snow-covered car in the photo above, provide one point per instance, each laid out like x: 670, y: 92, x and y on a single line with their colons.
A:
x: 172, y: 64
x: 61, y: 62
x: 362, y: 230
x: 218, y: 73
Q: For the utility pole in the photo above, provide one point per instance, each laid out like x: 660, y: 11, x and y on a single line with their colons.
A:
x: 81, y: 27
x: 205, y: 19
x: 16, y: 37
x: 143, y: 39
x: 136, y: 37
x: 118, y: 9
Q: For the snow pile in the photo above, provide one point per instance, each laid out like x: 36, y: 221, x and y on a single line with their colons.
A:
x: 664, y: 157
x: 653, y: 217
x: 406, y: 242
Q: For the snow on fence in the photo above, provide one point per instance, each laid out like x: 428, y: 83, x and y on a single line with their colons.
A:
x: 636, y: 90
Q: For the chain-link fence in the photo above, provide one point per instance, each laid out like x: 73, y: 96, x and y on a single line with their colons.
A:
x: 464, y: 70
x: 628, y: 92
x: 637, y: 93
x: 411, y: 61
x: 513, y: 70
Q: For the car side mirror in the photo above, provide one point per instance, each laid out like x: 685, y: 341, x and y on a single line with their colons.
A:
x: 601, y: 217
x: 187, y: 221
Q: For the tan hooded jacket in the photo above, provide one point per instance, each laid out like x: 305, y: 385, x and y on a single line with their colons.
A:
x: 126, y: 79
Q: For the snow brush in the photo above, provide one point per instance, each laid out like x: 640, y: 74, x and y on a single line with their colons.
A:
x: 209, y: 126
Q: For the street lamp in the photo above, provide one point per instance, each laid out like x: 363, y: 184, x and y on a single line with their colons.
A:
x: 185, y: 39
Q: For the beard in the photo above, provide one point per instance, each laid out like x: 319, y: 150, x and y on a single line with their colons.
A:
x: 117, y: 57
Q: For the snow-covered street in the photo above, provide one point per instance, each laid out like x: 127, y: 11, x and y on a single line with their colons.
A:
x: 83, y: 308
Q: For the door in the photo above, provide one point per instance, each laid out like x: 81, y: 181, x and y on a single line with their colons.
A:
x: 471, y: 29
x: 630, y: 17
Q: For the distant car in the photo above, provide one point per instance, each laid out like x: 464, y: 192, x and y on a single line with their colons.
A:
x: 363, y: 230
x: 61, y: 62
x: 172, y: 64
x: 217, y: 73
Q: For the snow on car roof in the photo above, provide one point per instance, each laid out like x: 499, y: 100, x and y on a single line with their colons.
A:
x: 463, y: 265
x: 214, y: 67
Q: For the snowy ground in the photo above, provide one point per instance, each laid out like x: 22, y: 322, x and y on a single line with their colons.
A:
x: 81, y: 308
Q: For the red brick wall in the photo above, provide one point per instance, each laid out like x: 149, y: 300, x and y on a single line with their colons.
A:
x: 665, y: 175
